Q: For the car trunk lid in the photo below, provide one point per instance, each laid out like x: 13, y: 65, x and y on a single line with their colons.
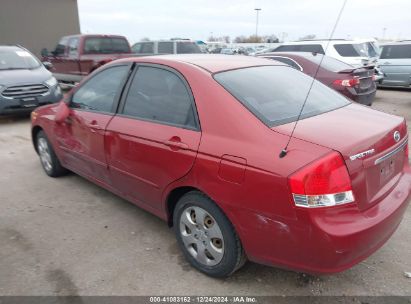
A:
x: 365, y: 139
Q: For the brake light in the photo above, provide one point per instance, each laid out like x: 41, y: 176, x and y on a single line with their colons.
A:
x: 322, y: 183
x: 347, y: 82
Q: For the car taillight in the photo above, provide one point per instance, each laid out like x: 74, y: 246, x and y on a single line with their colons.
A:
x: 347, y: 82
x: 324, y: 182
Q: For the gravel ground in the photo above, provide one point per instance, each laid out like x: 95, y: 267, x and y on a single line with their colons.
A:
x: 67, y: 236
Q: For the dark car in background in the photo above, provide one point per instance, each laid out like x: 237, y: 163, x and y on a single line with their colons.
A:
x: 24, y: 82
x: 355, y: 83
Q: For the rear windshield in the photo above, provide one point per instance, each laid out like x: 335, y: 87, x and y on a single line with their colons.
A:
x: 14, y: 58
x: 329, y: 63
x: 396, y: 51
x: 106, y: 45
x: 352, y: 50
x: 188, y: 48
x: 275, y: 94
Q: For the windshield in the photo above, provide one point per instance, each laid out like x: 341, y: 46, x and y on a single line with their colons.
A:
x: 275, y: 94
x: 14, y: 58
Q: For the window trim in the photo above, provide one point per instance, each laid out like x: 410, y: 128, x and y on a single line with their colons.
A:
x: 117, y: 97
x: 126, y: 90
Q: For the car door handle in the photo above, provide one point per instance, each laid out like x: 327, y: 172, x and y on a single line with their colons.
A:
x: 175, y: 143
x: 94, y: 126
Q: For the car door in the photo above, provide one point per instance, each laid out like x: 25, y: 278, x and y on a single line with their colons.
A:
x: 92, y: 106
x: 154, y: 138
x: 395, y: 62
x: 59, y: 58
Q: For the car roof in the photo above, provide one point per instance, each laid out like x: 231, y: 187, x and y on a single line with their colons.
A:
x: 212, y: 63
x: 405, y: 42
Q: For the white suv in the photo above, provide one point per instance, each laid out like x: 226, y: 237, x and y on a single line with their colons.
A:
x: 355, y: 53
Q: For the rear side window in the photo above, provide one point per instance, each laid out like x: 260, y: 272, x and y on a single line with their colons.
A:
x: 396, y: 51
x: 161, y: 96
x: 275, y: 94
x: 105, y: 45
x: 165, y: 47
x: 188, y: 48
x: 73, y: 47
x: 99, y: 93
x: 351, y: 50
x: 288, y: 61
x: 312, y: 48
x: 330, y: 63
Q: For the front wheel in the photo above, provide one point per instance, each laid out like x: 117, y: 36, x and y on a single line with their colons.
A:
x: 48, y: 157
x: 206, y: 237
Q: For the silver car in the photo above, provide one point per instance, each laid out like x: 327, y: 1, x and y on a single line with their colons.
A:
x: 395, y: 62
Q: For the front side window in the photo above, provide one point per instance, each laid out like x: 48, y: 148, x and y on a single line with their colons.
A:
x: 161, y: 96
x: 396, y: 51
x: 99, y: 93
x: 165, y: 47
x: 61, y: 47
x: 14, y: 58
x: 275, y: 94
x: 73, y: 47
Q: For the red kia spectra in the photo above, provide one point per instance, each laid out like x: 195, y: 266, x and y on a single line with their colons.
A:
x: 196, y: 139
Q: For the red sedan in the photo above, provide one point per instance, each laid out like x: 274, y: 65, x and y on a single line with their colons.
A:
x: 356, y: 83
x: 195, y: 139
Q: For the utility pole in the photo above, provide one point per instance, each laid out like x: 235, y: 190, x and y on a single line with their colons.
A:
x: 257, y: 10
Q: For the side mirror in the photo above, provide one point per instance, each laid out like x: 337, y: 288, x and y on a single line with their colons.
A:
x: 62, y: 112
x: 44, y: 52
x: 48, y: 65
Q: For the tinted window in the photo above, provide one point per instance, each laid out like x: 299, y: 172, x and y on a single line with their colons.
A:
x: 147, y: 48
x: 61, y: 47
x: 73, y: 47
x: 188, y: 48
x: 396, y: 51
x: 105, y: 45
x: 275, y: 94
x: 160, y: 95
x: 330, y: 63
x: 352, y: 50
x: 16, y: 58
x: 313, y: 48
x: 98, y: 94
x: 165, y: 47
x: 287, y: 61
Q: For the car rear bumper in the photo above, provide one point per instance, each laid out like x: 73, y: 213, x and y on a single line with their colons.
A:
x: 326, y: 240
x: 363, y: 98
x: 16, y: 106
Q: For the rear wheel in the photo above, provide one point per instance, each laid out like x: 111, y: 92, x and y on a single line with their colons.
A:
x: 48, y: 158
x: 206, y: 237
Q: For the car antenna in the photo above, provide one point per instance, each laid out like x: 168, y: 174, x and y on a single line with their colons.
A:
x: 284, y: 151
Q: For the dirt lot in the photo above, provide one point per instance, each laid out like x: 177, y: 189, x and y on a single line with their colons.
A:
x: 67, y: 236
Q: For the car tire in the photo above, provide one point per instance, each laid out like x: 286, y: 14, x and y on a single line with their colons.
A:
x: 206, y: 236
x: 48, y: 157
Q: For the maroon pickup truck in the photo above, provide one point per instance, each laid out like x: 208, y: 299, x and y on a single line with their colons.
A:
x: 77, y: 56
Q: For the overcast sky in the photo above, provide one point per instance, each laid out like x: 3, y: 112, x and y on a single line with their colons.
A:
x: 195, y: 19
